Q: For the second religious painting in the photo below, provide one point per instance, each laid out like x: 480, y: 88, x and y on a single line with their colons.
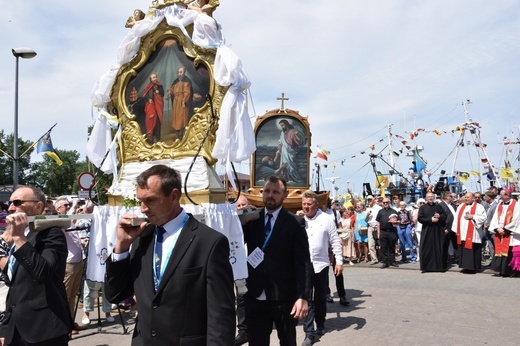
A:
x: 282, y: 142
x: 165, y: 92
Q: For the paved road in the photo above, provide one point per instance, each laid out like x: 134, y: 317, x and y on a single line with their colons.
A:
x: 398, y: 307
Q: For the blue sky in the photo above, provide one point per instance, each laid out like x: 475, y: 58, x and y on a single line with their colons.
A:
x: 352, y: 67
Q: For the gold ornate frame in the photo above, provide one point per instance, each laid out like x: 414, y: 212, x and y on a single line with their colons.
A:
x: 134, y: 146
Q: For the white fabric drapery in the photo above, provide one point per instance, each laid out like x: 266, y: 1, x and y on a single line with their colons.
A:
x: 125, y: 186
x: 235, y: 138
x: 221, y: 217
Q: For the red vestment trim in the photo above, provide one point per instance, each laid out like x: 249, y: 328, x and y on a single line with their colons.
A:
x: 471, y: 227
x: 502, y: 241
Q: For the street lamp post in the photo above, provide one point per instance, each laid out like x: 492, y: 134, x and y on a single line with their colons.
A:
x: 25, y: 53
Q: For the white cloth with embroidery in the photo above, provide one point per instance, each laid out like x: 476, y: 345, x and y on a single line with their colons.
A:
x: 221, y: 217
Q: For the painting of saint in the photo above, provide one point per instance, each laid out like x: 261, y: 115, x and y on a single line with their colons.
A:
x: 189, y: 84
x: 282, y: 149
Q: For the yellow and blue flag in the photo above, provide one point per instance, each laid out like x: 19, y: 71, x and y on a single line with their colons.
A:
x: 45, y: 146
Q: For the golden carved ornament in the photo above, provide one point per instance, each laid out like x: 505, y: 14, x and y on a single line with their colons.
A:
x: 134, y: 145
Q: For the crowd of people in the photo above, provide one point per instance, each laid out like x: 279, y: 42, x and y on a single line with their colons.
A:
x: 436, y: 231
x: 174, y: 264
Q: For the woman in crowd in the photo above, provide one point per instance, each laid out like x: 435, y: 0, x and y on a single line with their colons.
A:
x: 347, y: 228
x: 361, y: 233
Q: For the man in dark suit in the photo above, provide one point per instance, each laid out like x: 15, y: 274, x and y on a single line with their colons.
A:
x: 37, y: 308
x: 279, y: 269
x: 451, y: 237
x: 179, y: 272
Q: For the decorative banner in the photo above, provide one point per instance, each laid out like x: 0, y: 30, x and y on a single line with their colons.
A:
x: 45, y: 146
x: 507, y: 173
x: 381, y: 182
x: 322, y: 154
x: 464, y: 176
x: 420, y: 163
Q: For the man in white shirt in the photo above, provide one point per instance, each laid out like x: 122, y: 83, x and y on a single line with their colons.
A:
x: 372, y: 210
x: 321, y: 232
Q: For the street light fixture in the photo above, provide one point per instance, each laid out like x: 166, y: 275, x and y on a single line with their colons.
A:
x: 24, y: 53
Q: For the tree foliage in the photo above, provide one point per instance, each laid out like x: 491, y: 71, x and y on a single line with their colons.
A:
x: 6, y: 161
x: 54, y: 180
x: 57, y: 180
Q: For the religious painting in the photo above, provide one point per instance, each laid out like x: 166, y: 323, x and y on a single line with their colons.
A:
x: 282, y: 149
x: 165, y: 92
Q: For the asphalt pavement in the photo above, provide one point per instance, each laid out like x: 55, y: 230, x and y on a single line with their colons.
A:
x: 393, y: 306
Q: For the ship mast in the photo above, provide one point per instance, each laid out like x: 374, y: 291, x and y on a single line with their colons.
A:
x: 392, y: 172
x: 473, y: 129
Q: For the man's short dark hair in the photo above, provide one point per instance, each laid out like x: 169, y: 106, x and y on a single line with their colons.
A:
x: 491, y: 194
x: 275, y: 179
x: 445, y: 194
x: 170, y: 178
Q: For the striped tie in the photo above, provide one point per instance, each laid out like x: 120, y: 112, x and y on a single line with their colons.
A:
x: 268, y: 226
x: 158, y: 254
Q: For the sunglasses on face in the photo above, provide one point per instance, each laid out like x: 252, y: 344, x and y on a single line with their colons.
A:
x: 19, y: 202
x: 64, y: 205
x: 386, y: 202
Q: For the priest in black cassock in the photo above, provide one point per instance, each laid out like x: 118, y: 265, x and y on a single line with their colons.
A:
x: 433, y: 250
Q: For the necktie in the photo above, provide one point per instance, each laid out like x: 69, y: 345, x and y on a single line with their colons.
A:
x: 12, y: 262
x: 158, y: 254
x: 268, y: 226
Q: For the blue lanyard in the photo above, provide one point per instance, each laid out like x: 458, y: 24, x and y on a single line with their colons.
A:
x: 158, y: 276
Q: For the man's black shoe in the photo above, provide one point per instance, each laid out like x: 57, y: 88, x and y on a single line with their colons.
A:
x: 241, y: 338
x: 394, y: 264
x: 329, y: 299
x: 385, y: 265
x: 343, y: 301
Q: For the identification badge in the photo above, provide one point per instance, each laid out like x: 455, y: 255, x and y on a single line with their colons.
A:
x: 255, y: 258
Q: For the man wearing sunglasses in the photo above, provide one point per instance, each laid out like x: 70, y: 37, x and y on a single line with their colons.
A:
x: 387, y: 233
x: 37, y: 309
